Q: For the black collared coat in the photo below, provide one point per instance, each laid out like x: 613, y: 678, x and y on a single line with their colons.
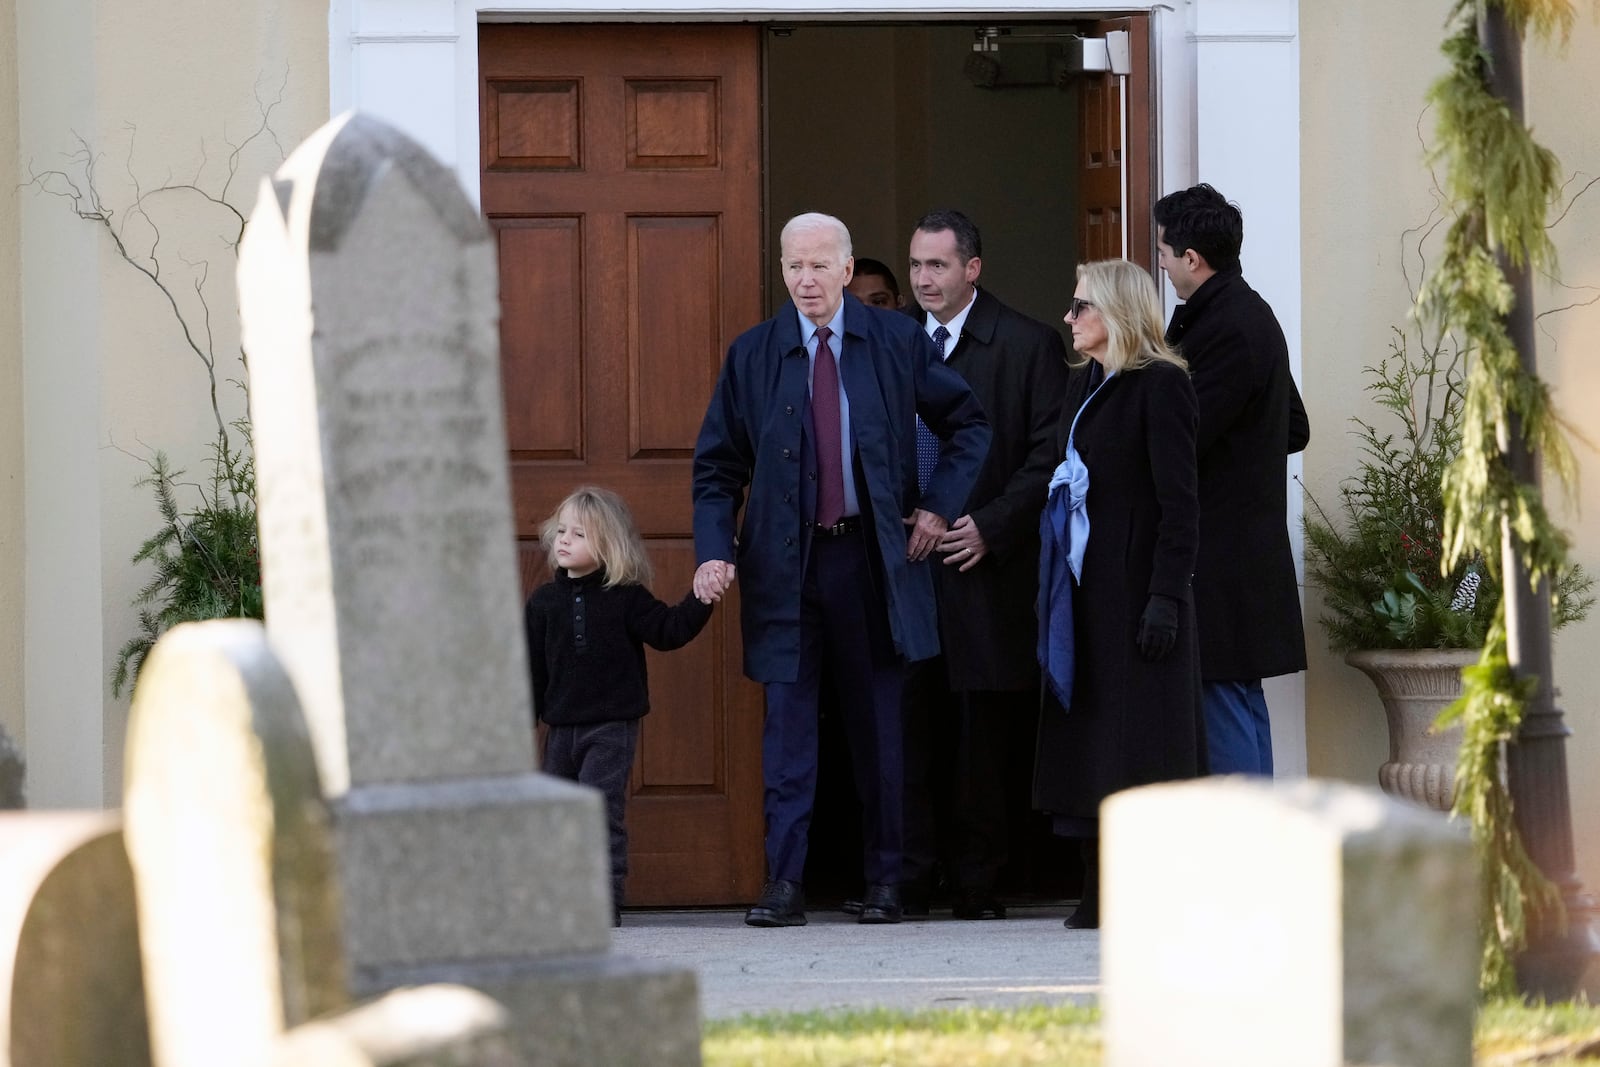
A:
x: 1017, y: 368
x: 1251, y: 420
x: 1131, y: 721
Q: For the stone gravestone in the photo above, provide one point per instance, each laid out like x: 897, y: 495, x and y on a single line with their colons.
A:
x: 231, y: 851
x: 368, y: 294
x: 71, y: 993
x: 229, y: 840
x: 1251, y: 923
x: 13, y: 773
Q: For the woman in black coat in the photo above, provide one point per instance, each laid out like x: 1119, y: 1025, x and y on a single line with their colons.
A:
x: 1117, y: 630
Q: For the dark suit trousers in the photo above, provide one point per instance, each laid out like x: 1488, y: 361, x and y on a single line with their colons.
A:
x: 958, y: 748
x: 843, y: 625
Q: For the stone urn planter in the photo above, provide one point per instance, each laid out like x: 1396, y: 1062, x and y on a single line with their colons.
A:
x: 1415, y: 685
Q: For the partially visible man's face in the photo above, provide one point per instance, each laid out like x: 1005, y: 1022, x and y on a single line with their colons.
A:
x: 815, y: 271
x: 873, y: 290
x: 940, y: 278
x: 1177, y: 267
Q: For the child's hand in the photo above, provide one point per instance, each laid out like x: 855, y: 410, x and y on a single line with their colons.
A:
x: 712, y: 579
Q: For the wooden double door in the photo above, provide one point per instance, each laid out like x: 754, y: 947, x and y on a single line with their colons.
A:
x: 621, y: 174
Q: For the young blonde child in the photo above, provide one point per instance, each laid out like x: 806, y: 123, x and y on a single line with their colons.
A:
x: 587, y: 629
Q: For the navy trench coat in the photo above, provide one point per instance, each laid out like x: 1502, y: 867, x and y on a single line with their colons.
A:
x: 756, y: 438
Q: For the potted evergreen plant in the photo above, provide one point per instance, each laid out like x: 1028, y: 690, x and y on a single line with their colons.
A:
x: 1387, y: 603
x: 206, y: 556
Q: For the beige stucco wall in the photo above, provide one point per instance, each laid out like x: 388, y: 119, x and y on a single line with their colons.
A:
x: 162, y: 92
x: 1560, y: 89
x: 1366, y: 65
x: 11, y: 715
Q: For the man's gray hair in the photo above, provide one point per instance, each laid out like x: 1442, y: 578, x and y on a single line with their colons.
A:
x: 816, y: 220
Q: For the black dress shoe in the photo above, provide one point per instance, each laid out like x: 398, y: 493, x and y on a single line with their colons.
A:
x: 976, y: 904
x: 781, y: 904
x: 881, y: 904
x: 913, y: 903
x: 1083, y: 918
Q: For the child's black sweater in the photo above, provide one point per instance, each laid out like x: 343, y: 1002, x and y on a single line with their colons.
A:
x: 586, y: 646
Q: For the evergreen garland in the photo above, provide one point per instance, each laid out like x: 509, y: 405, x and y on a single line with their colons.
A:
x: 1502, y: 182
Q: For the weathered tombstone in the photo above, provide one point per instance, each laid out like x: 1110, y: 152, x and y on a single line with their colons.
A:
x: 429, y: 1026
x: 70, y: 988
x: 13, y: 773
x: 1250, y: 923
x: 233, y: 859
x: 230, y: 845
x: 367, y: 288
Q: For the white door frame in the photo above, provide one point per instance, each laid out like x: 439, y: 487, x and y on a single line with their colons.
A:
x: 1228, y: 112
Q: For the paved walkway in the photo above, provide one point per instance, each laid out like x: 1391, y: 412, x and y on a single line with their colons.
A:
x: 834, y: 962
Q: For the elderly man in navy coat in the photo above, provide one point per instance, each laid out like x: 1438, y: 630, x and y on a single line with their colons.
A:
x: 814, y: 415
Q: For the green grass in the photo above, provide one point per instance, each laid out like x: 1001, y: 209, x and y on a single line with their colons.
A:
x: 1056, y: 1036
x: 1509, y: 1034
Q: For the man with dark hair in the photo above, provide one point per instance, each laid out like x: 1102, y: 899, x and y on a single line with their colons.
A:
x: 874, y: 284
x: 1251, y: 420
x: 971, y: 707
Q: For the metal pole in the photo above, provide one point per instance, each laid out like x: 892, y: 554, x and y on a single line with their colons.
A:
x: 1555, y: 961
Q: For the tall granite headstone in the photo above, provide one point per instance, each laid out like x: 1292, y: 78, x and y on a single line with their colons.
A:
x: 368, y: 293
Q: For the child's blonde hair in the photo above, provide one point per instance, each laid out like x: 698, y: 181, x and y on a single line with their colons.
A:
x: 610, y: 530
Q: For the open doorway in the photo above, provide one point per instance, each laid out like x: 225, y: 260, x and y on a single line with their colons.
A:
x: 878, y: 124
x: 634, y: 176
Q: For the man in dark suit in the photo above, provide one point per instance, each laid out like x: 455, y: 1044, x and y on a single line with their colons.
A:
x: 814, y: 414
x: 1251, y: 420
x: 967, y: 710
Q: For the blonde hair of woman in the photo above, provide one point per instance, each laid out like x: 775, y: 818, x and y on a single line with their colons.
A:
x: 1125, y: 297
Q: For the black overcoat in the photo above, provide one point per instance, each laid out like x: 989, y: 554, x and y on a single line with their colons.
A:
x: 1132, y: 722
x: 1251, y: 419
x: 1017, y: 367
x: 755, y: 438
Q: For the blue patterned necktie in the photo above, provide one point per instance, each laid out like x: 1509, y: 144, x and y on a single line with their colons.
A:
x: 927, y: 443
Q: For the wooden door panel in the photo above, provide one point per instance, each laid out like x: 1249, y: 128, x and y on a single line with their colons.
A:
x: 532, y: 124
x: 621, y: 176
x: 675, y: 260
x: 1101, y: 165
x: 541, y: 320
x: 672, y: 123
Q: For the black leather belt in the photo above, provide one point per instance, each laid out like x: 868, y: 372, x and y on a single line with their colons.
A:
x: 842, y: 528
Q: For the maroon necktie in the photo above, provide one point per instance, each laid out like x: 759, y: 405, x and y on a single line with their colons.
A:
x: 825, y: 421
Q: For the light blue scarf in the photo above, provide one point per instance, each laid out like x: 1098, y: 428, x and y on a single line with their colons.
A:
x: 1063, y: 538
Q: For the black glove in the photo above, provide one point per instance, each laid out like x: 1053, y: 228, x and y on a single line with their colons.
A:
x: 1158, y: 627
